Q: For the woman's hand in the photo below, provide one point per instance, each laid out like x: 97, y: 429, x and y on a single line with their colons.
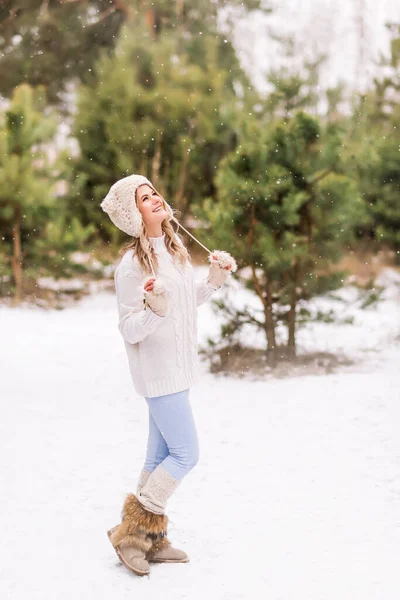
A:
x: 156, y: 296
x: 217, y: 276
x: 222, y: 263
x: 149, y: 285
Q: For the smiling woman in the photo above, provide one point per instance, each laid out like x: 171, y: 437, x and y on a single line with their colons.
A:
x: 158, y: 322
x: 152, y: 208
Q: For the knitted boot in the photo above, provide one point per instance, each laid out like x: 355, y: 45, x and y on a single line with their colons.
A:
x: 136, y: 534
x: 161, y: 550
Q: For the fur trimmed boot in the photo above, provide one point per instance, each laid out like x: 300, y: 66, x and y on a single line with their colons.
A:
x: 161, y: 550
x: 137, y: 533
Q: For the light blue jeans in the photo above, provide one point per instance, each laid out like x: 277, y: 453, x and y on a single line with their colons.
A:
x: 172, y: 437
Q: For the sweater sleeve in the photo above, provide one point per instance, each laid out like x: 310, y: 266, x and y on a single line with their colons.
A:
x: 204, y: 290
x: 136, y: 321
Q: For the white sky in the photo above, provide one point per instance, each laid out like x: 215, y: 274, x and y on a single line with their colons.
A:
x: 330, y: 26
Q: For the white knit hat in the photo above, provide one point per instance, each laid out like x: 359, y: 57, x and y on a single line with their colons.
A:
x: 120, y: 204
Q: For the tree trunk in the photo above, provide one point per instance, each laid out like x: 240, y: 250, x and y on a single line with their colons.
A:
x: 269, y: 326
x: 182, y: 182
x: 143, y: 165
x: 291, y: 345
x: 16, y: 260
x: 267, y: 301
x: 164, y: 182
x: 179, y: 8
x: 156, y: 162
x: 153, y: 22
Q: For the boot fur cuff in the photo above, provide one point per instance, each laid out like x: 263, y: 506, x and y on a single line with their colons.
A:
x: 139, y: 525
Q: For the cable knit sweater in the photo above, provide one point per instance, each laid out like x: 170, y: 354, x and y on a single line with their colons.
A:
x: 162, y: 351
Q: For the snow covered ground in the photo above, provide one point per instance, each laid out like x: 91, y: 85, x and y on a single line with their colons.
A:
x: 296, y: 495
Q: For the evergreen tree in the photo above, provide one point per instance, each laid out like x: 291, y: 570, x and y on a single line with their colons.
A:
x: 289, y: 209
x: 24, y: 175
x: 160, y: 108
x: 53, y: 43
x: 385, y: 201
x: 379, y: 177
x: 35, y: 235
x: 375, y: 153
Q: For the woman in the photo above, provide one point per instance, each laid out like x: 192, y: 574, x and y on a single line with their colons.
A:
x: 158, y: 322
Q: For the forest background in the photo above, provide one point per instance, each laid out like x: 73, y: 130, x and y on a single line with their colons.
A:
x: 294, y: 173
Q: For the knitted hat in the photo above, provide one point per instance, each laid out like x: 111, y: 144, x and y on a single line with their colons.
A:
x: 120, y: 204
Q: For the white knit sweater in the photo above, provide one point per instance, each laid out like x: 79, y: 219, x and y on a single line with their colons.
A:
x: 162, y: 351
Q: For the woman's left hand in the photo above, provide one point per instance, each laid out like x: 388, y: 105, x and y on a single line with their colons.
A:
x: 222, y: 263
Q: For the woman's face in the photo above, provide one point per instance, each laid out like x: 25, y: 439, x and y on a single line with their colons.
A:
x: 150, y: 205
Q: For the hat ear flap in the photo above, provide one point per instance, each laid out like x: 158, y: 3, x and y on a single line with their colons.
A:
x: 122, y: 211
x: 137, y: 220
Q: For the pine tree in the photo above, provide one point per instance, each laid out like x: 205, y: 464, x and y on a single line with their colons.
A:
x: 289, y: 209
x: 375, y: 153
x: 24, y: 175
x: 33, y: 224
x: 158, y: 108
x: 379, y: 177
x: 55, y: 43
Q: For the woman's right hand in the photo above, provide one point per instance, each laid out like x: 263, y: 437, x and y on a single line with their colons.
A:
x: 157, y: 300
x: 149, y: 285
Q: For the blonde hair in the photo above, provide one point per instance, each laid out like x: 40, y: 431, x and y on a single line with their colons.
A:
x: 142, y: 248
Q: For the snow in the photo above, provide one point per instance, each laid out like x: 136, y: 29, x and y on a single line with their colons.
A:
x: 296, y: 495
x: 367, y: 340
